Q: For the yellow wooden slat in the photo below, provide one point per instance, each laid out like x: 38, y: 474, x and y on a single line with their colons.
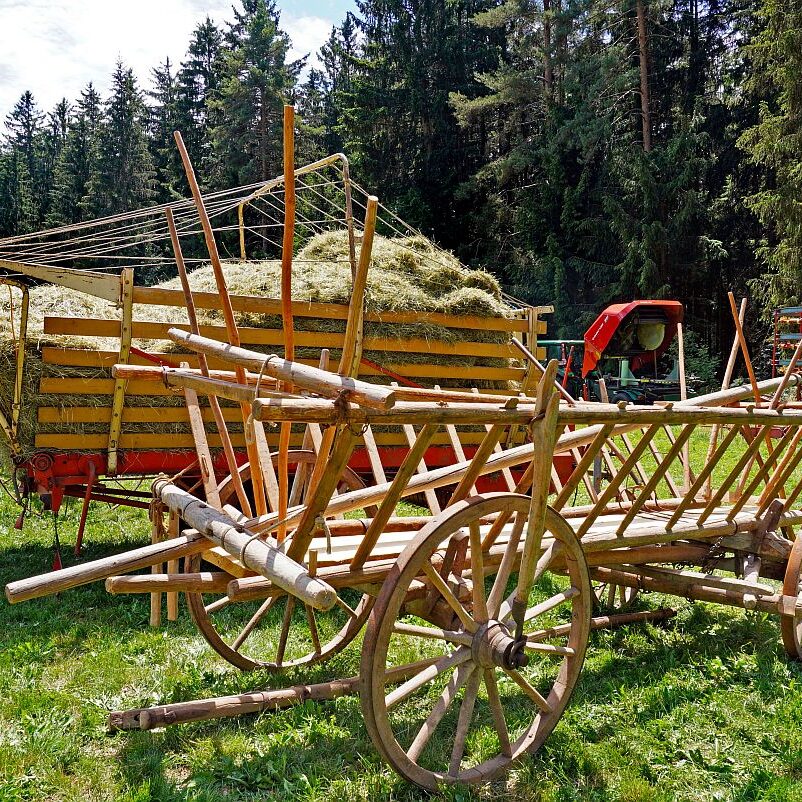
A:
x: 158, y: 296
x: 163, y: 441
x: 78, y: 386
x: 303, y: 339
x: 81, y: 357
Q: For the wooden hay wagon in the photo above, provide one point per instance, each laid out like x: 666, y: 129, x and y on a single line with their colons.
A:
x: 476, y: 618
x: 476, y: 613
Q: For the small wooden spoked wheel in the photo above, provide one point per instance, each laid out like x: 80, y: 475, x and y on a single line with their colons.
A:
x: 611, y: 597
x: 480, y: 698
x: 791, y: 625
x: 277, y: 632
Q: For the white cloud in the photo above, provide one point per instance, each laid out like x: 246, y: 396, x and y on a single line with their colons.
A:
x: 55, y: 47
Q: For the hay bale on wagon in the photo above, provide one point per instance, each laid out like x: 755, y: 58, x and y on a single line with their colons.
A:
x: 406, y: 274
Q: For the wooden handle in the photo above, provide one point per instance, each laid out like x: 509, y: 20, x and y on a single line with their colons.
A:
x: 310, y: 378
x: 257, y: 554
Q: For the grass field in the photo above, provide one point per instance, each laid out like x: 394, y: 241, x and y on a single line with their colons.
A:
x: 706, y: 707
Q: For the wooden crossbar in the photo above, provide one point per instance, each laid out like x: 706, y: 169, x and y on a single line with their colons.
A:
x: 782, y: 474
x: 581, y: 469
x: 609, y: 492
x: 660, y: 470
x: 762, y: 473
x: 388, y: 504
x: 702, y: 476
x: 735, y: 473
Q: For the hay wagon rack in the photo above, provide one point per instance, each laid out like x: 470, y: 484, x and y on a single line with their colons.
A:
x: 90, y: 429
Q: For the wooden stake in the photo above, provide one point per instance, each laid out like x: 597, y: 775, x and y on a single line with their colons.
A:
x: 228, y: 315
x: 219, y: 421
x: 744, y: 349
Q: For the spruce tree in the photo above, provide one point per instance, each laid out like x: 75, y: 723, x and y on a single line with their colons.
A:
x: 198, y: 80
x: 256, y: 81
x: 124, y: 178
x: 774, y: 145
x: 78, y: 161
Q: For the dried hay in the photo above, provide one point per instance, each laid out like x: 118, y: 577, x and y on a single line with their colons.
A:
x: 408, y: 274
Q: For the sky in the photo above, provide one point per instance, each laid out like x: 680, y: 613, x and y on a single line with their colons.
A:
x: 55, y: 47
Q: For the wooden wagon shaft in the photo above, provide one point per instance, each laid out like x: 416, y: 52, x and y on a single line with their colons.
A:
x: 54, y: 582
x: 201, y: 582
x: 310, y: 378
x: 149, y: 718
x: 258, y: 555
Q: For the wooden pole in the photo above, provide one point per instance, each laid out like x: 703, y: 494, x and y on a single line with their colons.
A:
x: 257, y: 481
x: 144, y: 557
x: 219, y: 421
x: 260, y: 555
x: 260, y: 701
x: 306, y: 376
x: 739, y: 330
x: 534, y: 360
x: 289, y: 233
x: 286, y: 304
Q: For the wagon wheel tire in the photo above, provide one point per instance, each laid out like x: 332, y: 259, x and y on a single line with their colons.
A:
x: 504, y: 711
x: 791, y: 625
x: 232, y: 629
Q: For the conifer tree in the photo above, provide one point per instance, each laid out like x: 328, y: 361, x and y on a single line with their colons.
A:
x: 77, y: 164
x: 256, y: 81
x: 198, y: 80
x: 163, y: 120
x: 124, y: 178
x: 774, y: 144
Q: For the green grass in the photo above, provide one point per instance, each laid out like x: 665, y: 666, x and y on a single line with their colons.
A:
x: 705, y: 708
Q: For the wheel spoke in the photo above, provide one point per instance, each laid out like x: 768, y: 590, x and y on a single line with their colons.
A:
x: 547, y: 648
x: 477, y: 574
x: 218, y: 604
x: 439, y: 710
x: 497, y: 710
x: 409, y: 687
x: 340, y: 603
x: 285, y: 630
x: 448, y: 595
x: 464, y: 721
x: 541, y: 608
x: 529, y: 690
x: 505, y: 569
x: 310, y: 618
x: 432, y: 633
x: 252, y: 624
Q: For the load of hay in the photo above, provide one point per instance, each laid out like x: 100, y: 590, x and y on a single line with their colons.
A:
x: 406, y: 274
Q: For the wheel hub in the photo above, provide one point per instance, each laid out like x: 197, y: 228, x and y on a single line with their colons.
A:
x: 493, y: 645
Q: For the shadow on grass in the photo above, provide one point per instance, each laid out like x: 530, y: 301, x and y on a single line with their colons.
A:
x: 300, y: 751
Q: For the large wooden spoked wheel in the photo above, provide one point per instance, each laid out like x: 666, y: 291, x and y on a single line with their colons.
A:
x: 791, y: 625
x: 473, y: 707
x: 278, y: 632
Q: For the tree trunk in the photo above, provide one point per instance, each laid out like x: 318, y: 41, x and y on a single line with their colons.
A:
x: 548, y: 71
x: 643, y: 55
x: 263, y: 134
